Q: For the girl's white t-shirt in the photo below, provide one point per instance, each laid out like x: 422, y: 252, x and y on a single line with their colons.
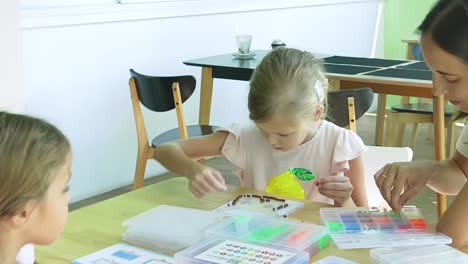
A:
x: 326, y: 154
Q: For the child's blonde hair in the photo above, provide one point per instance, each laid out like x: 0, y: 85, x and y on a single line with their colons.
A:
x: 287, y: 81
x: 31, y: 150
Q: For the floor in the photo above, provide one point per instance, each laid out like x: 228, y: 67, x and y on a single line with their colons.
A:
x: 424, y: 150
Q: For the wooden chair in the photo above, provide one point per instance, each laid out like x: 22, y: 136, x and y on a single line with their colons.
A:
x: 160, y: 94
x: 413, y: 49
x: 358, y: 102
x: 413, y: 52
x: 419, y: 113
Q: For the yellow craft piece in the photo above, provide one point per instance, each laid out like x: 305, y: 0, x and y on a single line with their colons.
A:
x: 286, y: 185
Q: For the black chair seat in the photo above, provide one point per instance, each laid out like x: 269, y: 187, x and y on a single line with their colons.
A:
x: 173, y: 134
x: 423, y: 108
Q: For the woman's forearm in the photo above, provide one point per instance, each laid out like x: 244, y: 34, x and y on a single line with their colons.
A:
x: 453, y: 222
x: 447, y: 176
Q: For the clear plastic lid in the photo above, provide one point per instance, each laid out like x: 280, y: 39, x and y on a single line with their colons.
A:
x: 224, y: 251
x: 364, y: 228
x: 435, y: 254
x: 279, y: 232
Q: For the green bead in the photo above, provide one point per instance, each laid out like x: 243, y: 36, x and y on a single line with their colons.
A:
x: 392, y: 214
x: 267, y: 234
x: 302, y: 174
x: 335, y: 226
x: 323, y: 242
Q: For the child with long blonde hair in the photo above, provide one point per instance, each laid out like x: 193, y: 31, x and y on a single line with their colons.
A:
x: 35, y: 163
x: 287, y: 102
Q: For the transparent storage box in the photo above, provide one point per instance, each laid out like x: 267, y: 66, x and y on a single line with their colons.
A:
x: 435, y: 254
x: 282, y: 233
x: 224, y: 251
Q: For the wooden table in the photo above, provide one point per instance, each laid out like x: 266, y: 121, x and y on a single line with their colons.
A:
x: 98, y: 226
x: 404, y: 78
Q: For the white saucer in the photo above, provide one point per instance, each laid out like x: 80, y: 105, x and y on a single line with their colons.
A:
x: 247, y: 56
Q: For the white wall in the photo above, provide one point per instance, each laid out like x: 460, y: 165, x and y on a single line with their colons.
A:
x: 379, y: 49
x: 77, y: 76
x: 11, y: 90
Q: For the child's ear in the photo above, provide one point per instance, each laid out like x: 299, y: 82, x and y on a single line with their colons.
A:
x: 21, y: 217
x: 318, y: 112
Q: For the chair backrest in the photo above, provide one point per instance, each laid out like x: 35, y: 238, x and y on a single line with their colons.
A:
x: 156, y: 93
x: 416, y: 51
x: 337, y: 105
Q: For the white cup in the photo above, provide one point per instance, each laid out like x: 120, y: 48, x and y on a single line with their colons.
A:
x: 243, y: 43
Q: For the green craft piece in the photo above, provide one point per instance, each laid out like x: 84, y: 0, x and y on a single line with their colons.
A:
x: 267, y: 234
x: 335, y: 226
x: 392, y: 214
x: 302, y: 174
x: 323, y: 242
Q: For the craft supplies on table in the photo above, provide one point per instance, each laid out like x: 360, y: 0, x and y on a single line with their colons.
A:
x: 278, y: 232
x: 229, y: 251
x: 364, y: 228
x: 434, y: 254
x: 169, y: 229
x: 124, y: 254
x: 334, y: 260
x: 262, y: 205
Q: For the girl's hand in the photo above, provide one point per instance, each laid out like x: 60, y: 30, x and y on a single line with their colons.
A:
x: 206, y: 180
x: 338, y: 188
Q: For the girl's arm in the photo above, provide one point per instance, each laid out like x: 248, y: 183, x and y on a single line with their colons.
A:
x: 179, y: 157
x: 357, y: 178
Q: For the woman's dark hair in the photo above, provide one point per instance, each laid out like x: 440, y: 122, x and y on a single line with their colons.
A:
x: 447, y: 24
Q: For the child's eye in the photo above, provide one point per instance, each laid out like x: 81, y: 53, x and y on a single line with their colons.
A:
x: 283, y: 135
x: 67, y: 189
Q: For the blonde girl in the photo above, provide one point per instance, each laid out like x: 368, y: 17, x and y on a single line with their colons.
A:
x: 287, y: 101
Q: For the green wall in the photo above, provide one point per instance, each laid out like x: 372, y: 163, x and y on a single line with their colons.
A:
x: 401, y: 18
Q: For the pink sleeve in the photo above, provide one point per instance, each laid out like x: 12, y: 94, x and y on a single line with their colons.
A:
x: 348, y: 146
x: 233, y: 148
